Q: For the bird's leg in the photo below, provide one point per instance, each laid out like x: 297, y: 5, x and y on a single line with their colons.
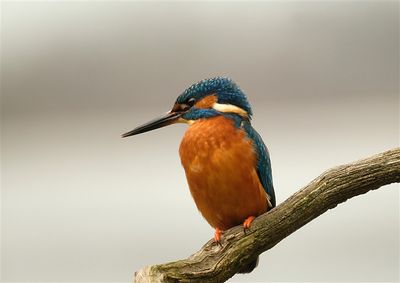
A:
x: 217, y: 235
x: 247, y: 223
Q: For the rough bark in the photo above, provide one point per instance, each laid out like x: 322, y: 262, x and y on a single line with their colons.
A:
x: 217, y: 263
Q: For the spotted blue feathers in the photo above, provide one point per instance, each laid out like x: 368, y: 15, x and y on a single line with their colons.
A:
x: 227, y: 91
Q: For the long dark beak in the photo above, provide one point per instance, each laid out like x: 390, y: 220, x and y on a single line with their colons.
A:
x: 170, y: 118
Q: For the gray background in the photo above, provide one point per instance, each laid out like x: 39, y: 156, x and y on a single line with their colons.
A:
x: 81, y: 204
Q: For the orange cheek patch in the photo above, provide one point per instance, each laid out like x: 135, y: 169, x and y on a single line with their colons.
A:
x: 206, y: 102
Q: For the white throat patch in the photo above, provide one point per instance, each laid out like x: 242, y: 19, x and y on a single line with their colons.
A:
x: 229, y: 108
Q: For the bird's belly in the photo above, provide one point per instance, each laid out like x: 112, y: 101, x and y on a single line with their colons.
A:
x: 220, y: 166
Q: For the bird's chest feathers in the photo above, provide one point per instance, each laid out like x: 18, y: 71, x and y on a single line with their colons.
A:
x: 213, y: 149
x: 220, y: 166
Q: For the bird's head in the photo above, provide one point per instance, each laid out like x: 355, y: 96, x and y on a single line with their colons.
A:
x: 205, y: 99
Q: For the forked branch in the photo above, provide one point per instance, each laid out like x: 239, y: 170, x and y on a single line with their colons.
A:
x: 215, y: 263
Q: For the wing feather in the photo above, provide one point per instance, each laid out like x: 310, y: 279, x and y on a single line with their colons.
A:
x: 264, y: 170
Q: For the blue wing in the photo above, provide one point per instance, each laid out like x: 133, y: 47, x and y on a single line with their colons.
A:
x: 264, y: 163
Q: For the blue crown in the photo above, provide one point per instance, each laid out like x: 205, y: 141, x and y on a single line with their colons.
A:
x: 226, y: 90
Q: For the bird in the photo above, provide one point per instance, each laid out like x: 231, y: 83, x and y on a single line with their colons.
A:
x: 226, y: 163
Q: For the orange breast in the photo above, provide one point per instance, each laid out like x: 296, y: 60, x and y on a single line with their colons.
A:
x: 220, y: 166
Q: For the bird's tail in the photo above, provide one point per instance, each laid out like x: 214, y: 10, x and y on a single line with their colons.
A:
x: 249, y: 267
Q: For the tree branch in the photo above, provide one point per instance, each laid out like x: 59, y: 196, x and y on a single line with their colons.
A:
x: 215, y: 263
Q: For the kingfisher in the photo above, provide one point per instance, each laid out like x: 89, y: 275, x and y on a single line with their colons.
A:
x: 226, y: 162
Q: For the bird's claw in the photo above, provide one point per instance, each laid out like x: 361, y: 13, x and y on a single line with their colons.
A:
x: 247, y: 223
x: 217, y: 236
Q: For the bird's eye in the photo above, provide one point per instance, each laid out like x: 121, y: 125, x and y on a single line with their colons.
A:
x: 191, y: 102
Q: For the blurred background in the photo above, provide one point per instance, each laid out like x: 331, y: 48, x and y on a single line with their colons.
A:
x: 80, y: 204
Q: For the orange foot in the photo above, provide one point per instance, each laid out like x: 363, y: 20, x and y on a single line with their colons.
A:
x: 247, y: 223
x: 217, y: 235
